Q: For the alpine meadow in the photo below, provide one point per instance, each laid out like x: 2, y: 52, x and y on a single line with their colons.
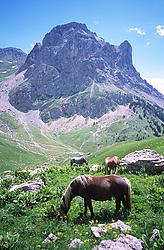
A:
x: 79, y: 128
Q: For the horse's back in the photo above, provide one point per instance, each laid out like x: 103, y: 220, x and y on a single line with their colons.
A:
x: 116, y: 181
x: 103, y: 187
x: 78, y: 161
x: 111, y: 160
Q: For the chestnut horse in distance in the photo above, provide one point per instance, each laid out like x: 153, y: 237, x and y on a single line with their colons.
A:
x: 111, y: 164
x: 99, y: 188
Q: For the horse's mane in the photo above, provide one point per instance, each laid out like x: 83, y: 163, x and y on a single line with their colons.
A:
x: 80, y: 180
x: 83, y: 180
x: 127, y: 181
x: 66, y: 196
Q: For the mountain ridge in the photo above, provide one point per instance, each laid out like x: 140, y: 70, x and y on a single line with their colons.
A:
x: 11, y: 59
x: 75, y: 72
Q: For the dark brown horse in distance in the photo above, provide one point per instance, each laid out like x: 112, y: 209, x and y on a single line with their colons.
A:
x: 78, y: 161
x: 111, y: 164
x: 99, y: 188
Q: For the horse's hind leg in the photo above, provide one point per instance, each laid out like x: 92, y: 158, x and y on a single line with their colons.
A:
x: 126, y: 211
x: 118, y: 205
x: 85, y: 206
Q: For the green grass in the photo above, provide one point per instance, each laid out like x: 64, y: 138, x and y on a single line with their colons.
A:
x: 27, y: 218
x: 80, y: 139
x: 13, y: 157
x: 124, y: 148
x: 6, y: 69
x: 94, y: 138
x: 10, y: 123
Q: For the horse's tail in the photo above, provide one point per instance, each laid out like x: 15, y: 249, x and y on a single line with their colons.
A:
x: 128, y: 194
x: 128, y: 199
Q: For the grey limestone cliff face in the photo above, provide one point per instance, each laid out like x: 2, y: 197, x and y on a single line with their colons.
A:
x: 74, y: 71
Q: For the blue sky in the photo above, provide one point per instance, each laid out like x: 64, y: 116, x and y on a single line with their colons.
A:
x: 141, y: 22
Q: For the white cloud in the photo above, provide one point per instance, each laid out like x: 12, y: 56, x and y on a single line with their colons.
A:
x: 160, y: 30
x: 157, y: 83
x: 138, y: 31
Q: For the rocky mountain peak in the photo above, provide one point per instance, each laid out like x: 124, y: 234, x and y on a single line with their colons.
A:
x: 71, y: 26
x: 74, y: 71
x: 31, y: 58
x: 61, y: 33
x: 125, y: 55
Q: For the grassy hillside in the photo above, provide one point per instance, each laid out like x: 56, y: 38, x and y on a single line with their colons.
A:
x: 6, y: 69
x: 10, y: 125
x: 123, y: 148
x: 12, y: 157
x: 133, y: 128
x: 33, y: 139
x: 17, y: 152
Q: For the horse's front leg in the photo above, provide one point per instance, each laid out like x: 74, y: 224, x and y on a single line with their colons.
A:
x: 85, y: 206
x: 114, y: 169
x: 88, y: 203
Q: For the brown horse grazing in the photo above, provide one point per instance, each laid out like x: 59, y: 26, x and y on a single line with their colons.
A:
x: 99, y: 188
x: 111, y: 163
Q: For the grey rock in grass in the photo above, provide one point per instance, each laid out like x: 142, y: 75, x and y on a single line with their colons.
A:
x: 99, y: 231
x: 75, y: 243
x: 30, y: 186
x: 50, y: 238
x: 144, y: 160
x: 102, y: 229
x: 123, y: 242
x: 122, y: 227
x: 155, y: 235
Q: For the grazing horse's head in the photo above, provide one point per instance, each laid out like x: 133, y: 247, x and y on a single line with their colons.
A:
x: 65, y: 202
x: 63, y: 208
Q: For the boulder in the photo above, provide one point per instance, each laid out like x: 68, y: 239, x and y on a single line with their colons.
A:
x: 123, y: 242
x: 30, y: 186
x: 122, y: 227
x: 144, y: 160
x: 39, y: 170
x: 102, y: 229
x: 155, y: 235
x: 75, y: 243
x: 99, y: 231
x: 50, y: 238
x: 95, y: 168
